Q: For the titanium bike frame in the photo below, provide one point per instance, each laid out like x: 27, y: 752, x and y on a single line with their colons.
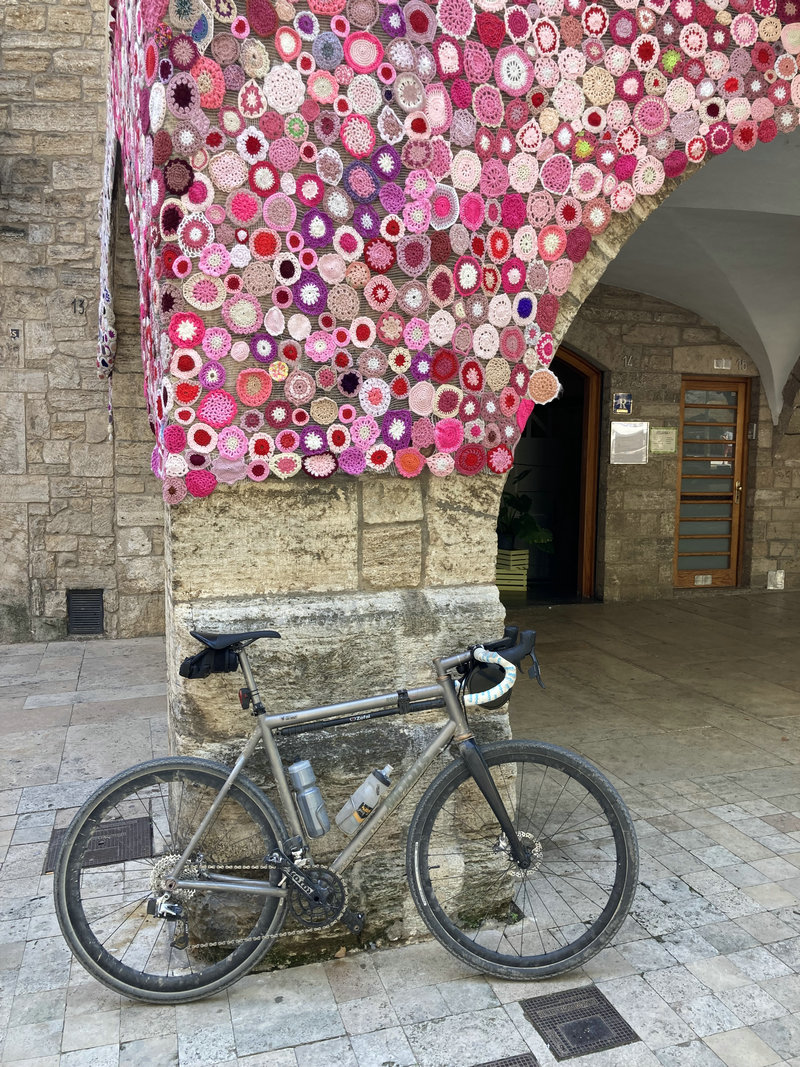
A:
x: 456, y: 728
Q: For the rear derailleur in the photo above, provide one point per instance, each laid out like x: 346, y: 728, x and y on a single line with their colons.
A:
x: 163, y: 907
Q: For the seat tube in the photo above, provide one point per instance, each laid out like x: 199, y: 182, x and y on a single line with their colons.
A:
x: 271, y: 749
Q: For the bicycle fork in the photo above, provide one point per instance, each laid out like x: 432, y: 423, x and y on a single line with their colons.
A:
x: 478, y: 768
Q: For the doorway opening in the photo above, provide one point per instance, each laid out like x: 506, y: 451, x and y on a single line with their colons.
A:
x: 555, y: 466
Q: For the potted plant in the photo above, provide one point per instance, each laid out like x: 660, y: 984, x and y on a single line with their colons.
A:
x: 515, y: 522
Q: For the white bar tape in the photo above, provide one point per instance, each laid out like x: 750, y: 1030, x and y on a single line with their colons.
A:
x: 484, y: 656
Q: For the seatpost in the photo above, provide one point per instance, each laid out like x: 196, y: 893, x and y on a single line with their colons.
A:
x: 250, y: 682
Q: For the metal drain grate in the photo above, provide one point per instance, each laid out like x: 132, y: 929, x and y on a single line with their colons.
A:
x: 85, y: 611
x: 113, y: 842
x: 528, y: 1060
x: 576, y: 1022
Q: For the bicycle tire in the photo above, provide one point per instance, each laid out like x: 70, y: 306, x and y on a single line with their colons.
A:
x: 101, y: 899
x: 476, y: 900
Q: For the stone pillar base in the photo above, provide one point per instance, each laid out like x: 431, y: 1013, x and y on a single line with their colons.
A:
x: 306, y: 563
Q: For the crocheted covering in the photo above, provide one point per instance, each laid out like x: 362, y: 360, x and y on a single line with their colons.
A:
x: 354, y: 221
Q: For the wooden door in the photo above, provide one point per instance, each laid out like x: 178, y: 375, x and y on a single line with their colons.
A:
x: 587, y: 533
x: 711, y: 474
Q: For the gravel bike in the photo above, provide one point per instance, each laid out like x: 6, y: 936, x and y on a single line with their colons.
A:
x: 521, y: 857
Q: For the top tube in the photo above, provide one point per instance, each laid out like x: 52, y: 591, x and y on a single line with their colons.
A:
x: 351, y: 707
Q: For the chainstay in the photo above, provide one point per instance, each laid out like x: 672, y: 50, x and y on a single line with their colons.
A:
x: 282, y: 933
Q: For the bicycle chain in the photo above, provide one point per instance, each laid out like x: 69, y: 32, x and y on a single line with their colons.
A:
x: 263, y: 937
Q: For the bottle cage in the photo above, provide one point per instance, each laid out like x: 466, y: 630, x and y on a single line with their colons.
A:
x: 210, y: 661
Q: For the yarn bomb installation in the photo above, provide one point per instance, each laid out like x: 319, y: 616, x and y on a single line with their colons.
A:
x: 354, y: 220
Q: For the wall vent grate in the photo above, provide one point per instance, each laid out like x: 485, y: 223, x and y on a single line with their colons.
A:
x: 84, y: 611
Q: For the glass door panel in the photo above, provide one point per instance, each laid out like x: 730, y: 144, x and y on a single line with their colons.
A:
x: 710, y: 482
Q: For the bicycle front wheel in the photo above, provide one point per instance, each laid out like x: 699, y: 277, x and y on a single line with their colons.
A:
x: 116, y: 855
x: 508, y: 920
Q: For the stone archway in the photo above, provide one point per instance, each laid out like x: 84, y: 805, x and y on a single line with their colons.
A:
x: 228, y: 121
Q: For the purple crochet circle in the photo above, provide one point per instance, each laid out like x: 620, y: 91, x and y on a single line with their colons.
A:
x: 352, y: 461
x: 366, y: 221
x: 263, y: 347
x: 313, y: 440
x: 392, y: 198
x: 386, y: 162
x: 421, y: 367
x: 310, y: 293
x: 316, y: 228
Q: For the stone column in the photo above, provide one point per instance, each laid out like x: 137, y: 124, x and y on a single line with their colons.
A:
x: 366, y: 579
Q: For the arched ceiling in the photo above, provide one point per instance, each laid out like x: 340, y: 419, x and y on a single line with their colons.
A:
x: 726, y: 244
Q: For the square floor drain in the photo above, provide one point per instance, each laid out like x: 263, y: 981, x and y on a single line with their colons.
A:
x: 576, y: 1022
x: 528, y: 1060
x: 116, y: 841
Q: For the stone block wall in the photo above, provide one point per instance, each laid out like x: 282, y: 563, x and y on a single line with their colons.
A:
x: 63, y: 483
x: 366, y: 580
x: 646, y: 345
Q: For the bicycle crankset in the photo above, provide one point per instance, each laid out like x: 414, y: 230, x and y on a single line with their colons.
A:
x: 325, y: 905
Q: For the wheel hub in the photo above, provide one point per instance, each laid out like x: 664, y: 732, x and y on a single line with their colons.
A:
x: 159, y: 877
x: 533, y: 852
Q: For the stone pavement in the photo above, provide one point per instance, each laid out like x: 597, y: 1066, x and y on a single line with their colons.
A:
x: 690, y: 705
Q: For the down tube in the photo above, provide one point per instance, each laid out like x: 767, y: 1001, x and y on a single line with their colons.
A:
x: 366, y: 832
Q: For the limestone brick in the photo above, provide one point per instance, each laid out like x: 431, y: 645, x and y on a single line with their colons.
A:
x: 140, y: 574
x: 144, y: 510
x: 391, y: 556
x: 91, y: 460
x: 277, y: 536
x: 460, y: 516
x: 12, y: 433
x: 390, y: 499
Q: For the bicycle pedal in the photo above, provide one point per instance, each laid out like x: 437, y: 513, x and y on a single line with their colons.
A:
x: 353, y: 920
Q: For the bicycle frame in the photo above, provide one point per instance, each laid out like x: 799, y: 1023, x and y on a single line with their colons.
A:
x: 443, y: 694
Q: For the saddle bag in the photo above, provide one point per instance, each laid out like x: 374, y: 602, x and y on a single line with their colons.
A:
x: 209, y: 661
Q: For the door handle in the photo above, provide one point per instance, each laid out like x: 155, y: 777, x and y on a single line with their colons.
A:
x: 737, y: 492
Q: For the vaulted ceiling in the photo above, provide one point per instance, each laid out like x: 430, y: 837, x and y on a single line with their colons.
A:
x: 726, y: 244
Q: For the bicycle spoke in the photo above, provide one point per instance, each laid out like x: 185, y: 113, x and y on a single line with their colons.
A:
x: 112, y: 913
x: 533, y: 915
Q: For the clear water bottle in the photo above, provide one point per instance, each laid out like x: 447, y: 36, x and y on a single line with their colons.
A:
x: 362, y: 803
x: 309, y: 799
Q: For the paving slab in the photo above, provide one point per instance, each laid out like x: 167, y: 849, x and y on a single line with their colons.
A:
x: 706, y: 970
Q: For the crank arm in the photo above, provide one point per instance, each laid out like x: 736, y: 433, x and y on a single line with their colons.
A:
x: 297, y: 877
x: 353, y: 920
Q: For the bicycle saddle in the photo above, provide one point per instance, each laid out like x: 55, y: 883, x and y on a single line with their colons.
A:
x: 220, y: 641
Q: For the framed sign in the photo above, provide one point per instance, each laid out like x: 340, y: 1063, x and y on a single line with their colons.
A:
x: 622, y: 404
x: 663, y: 439
x: 629, y: 442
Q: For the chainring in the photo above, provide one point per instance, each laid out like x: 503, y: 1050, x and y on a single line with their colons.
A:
x: 316, y: 911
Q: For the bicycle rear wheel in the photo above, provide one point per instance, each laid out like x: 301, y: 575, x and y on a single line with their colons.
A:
x: 101, y: 895
x: 486, y: 909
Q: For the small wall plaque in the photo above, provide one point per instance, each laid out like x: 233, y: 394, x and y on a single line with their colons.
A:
x: 623, y: 404
x: 629, y: 442
x: 663, y: 439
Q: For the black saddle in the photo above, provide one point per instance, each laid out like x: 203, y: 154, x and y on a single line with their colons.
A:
x: 220, y: 641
